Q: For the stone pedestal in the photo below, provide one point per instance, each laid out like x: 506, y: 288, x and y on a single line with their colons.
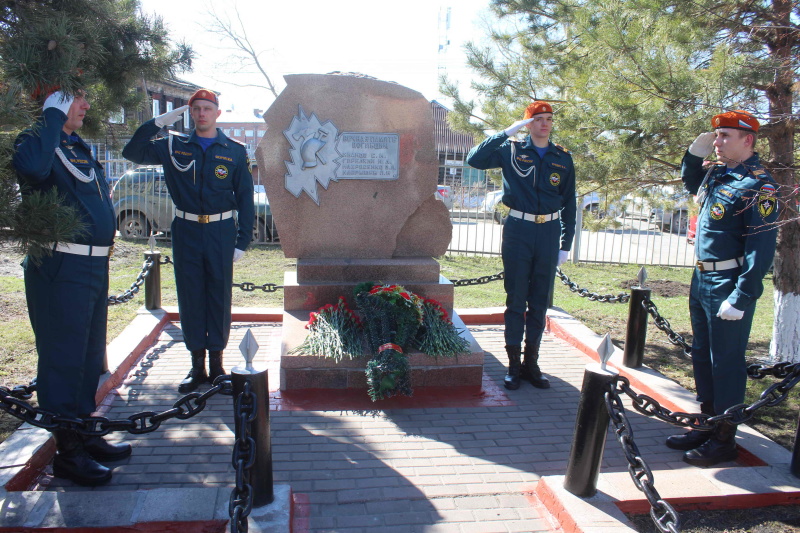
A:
x: 312, y: 372
x: 350, y: 169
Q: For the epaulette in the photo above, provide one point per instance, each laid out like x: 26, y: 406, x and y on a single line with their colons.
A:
x: 183, y: 136
x: 561, y: 148
x: 238, y: 142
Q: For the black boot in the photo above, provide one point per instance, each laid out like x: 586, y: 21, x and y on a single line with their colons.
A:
x: 694, y: 438
x: 720, y: 448
x: 511, y: 381
x: 74, y: 463
x: 530, y: 368
x: 215, y: 365
x: 197, y: 375
x: 101, y: 450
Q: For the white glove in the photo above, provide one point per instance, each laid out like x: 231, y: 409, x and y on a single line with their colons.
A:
x: 703, y: 145
x: 60, y: 101
x: 170, y: 117
x: 729, y: 312
x: 562, y: 257
x: 515, y: 127
x: 237, y: 254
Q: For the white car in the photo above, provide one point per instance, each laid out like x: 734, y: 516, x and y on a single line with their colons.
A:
x: 489, y: 205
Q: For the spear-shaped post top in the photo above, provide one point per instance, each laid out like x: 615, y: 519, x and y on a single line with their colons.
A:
x: 249, y: 348
x: 642, y: 277
x: 151, y: 242
x: 605, y: 350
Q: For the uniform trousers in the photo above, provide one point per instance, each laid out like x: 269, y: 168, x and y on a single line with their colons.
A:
x: 203, y: 256
x: 718, y: 347
x: 67, y: 299
x: 530, y: 256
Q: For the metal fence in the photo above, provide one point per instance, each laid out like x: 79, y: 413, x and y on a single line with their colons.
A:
x: 637, y: 229
x: 650, y: 227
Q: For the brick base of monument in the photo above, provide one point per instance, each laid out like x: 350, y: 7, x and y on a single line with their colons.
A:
x: 312, y: 372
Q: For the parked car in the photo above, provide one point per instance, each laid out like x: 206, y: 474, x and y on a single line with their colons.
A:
x: 599, y: 207
x: 143, y: 205
x: 445, y: 194
x: 493, y: 206
x: 671, y: 213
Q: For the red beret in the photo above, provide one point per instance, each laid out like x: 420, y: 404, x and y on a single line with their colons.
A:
x: 740, y: 120
x: 537, y: 108
x: 204, y: 94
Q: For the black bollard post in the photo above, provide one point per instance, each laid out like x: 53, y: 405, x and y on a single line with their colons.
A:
x: 795, y: 466
x: 636, y: 334
x: 260, y: 474
x: 152, y: 283
x: 591, y: 428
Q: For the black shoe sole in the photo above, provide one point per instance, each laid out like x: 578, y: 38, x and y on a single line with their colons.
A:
x: 540, y: 384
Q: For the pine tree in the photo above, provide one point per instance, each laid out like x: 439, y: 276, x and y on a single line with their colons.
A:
x: 634, y: 81
x: 105, y: 47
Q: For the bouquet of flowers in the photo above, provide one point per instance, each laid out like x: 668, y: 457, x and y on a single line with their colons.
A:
x: 393, y: 320
x: 392, y: 315
x: 334, y: 331
x: 438, y: 336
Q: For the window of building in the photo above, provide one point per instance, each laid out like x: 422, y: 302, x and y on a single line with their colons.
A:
x: 169, y: 107
x: 248, y: 133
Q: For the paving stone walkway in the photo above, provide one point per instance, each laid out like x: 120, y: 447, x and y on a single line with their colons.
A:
x: 470, y: 468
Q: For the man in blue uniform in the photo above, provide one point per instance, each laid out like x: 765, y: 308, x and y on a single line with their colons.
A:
x: 67, y: 291
x: 208, y: 176
x: 539, y: 189
x: 735, y: 245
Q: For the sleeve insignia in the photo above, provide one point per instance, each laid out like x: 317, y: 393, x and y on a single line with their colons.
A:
x: 766, y: 205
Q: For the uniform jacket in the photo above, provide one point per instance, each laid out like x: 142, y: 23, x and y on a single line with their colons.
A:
x: 40, y: 169
x: 531, y: 184
x: 735, y: 220
x: 202, y: 183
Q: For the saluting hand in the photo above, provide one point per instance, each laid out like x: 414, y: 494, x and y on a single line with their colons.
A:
x: 170, y: 117
x: 60, y: 101
x: 515, y: 127
x: 703, y: 145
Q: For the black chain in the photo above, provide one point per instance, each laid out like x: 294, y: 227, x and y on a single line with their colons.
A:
x: 12, y: 402
x: 663, y: 514
x: 593, y: 296
x: 248, y: 286
x: 663, y: 324
x: 130, y: 293
x: 244, y: 457
x: 478, y: 281
x: 167, y: 260
x: 737, y: 414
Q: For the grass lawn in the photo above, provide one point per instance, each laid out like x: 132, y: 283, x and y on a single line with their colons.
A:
x: 266, y: 264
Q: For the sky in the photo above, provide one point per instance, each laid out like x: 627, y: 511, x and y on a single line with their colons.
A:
x: 395, y: 41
